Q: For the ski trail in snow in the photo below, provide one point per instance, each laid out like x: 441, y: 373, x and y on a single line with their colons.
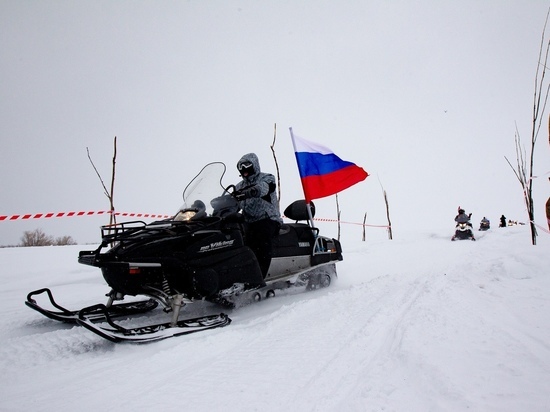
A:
x: 369, y: 342
x: 43, y: 348
x: 317, y: 368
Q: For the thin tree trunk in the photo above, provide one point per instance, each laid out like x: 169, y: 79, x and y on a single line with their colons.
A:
x: 548, y: 201
x: 112, y: 220
x: 364, y: 227
x: 390, y: 235
x: 338, y: 215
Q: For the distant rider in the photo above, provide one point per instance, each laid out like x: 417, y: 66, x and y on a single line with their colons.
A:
x: 260, y: 208
x: 462, y: 217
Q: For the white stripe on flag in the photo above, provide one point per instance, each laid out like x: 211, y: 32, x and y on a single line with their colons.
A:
x: 303, y: 145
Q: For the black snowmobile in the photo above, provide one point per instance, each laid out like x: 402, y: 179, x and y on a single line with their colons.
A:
x: 463, y: 231
x: 198, y: 255
x: 485, y: 224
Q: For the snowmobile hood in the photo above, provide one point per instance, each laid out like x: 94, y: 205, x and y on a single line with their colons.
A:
x: 252, y: 158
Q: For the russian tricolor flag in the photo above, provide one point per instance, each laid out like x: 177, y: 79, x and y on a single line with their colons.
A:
x: 321, y: 171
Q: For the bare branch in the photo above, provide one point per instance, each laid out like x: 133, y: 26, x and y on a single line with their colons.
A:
x: 538, y: 107
x: 514, y: 170
x: 98, y: 175
x: 109, y: 194
x: 539, y: 84
x: 276, y: 164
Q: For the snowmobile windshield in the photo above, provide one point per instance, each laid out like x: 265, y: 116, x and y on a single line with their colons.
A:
x: 204, y: 187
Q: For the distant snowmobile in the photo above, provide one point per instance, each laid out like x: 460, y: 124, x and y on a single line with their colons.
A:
x: 199, y: 254
x: 463, y: 228
x: 463, y: 231
x: 485, y: 224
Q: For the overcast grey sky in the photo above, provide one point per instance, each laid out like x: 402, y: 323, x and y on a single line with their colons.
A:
x: 424, y: 95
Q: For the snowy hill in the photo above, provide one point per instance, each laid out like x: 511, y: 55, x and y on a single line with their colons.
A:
x: 419, y: 323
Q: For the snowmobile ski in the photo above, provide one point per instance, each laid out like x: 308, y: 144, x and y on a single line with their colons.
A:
x: 69, y: 316
x: 151, y: 333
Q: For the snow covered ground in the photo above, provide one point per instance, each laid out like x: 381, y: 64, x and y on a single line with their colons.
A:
x: 419, y: 323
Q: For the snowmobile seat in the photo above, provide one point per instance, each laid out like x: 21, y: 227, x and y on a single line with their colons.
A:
x: 293, y: 239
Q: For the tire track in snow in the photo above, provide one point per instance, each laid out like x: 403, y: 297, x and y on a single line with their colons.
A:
x: 322, y: 325
x: 42, y: 348
x: 370, y: 342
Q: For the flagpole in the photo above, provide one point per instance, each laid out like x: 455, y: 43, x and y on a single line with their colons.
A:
x: 303, y: 189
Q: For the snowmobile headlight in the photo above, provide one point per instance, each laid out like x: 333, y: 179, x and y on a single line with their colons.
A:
x: 184, y: 215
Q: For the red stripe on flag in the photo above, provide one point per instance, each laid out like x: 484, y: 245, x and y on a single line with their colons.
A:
x: 316, y: 187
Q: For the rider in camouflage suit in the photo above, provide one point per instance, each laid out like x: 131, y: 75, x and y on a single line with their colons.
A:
x: 258, y: 202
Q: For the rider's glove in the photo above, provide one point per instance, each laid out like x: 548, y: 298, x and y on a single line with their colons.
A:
x: 239, y: 195
x: 246, y: 193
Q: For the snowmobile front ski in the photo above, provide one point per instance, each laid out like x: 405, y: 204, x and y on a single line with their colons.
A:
x: 151, y: 333
x: 71, y: 316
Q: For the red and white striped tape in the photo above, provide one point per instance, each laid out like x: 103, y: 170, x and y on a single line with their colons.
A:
x: 348, y: 223
x: 31, y: 216
x: 81, y: 213
x: 542, y: 228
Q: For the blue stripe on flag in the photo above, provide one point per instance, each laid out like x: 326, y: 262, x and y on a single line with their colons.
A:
x: 316, y: 164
